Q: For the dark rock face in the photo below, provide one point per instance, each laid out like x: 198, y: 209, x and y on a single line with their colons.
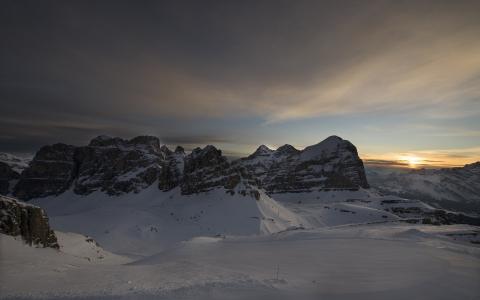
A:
x: 442, y: 217
x: 206, y: 169
x: 7, y: 175
x: 171, y: 172
x: 28, y: 221
x: 117, y: 166
x: 203, y: 170
x: 111, y: 165
x: 51, y: 172
x: 332, y: 163
x: 180, y: 150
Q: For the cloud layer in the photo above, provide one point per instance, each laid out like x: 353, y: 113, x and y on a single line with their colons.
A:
x: 215, y: 69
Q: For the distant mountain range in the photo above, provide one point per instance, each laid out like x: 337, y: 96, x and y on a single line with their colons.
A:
x: 117, y: 166
x: 451, y: 188
x: 137, y: 196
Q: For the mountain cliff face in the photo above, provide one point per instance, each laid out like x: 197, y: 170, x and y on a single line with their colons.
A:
x: 171, y: 172
x: 7, y: 175
x: 206, y: 169
x: 110, y: 165
x: 51, y: 172
x: 10, y: 168
x: 332, y: 163
x: 28, y: 221
x: 452, y: 188
x: 116, y: 166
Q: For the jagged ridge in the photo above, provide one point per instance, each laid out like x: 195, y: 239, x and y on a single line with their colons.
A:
x: 116, y: 166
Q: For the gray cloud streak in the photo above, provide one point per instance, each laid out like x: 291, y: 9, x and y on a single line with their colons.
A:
x: 74, y: 68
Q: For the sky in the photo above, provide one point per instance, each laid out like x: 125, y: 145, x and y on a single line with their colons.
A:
x: 399, y: 79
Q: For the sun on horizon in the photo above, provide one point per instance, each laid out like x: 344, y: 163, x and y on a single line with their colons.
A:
x: 413, y: 161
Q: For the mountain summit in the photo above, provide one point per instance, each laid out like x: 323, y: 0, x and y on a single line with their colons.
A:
x: 117, y: 166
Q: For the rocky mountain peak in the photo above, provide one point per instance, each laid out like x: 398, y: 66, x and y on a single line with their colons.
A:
x: 7, y: 176
x: 16, y: 163
x: 286, y: 150
x: 116, y: 166
x: 206, y: 157
x: 147, y: 140
x: 106, y: 141
x: 51, y: 172
x: 179, y: 150
x: 328, y: 147
x: 206, y: 169
x: 332, y: 163
x: 164, y: 149
x: 262, y: 150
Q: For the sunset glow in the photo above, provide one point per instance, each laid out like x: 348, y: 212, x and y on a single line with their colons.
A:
x: 413, y: 161
x: 398, y: 79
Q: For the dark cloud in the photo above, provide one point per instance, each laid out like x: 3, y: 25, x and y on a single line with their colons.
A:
x: 202, y: 70
x: 386, y: 163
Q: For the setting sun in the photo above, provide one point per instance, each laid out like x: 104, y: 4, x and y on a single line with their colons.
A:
x: 413, y: 161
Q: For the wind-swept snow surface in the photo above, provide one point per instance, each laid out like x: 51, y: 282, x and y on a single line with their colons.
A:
x: 354, y: 262
x: 148, y: 222
x: 336, y: 244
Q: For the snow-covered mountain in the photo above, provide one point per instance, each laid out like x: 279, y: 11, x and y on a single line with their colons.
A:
x: 11, y: 167
x: 134, y: 219
x: 332, y: 163
x: 451, y: 188
x: 112, y: 165
x: 118, y: 166
x: 17, y: 163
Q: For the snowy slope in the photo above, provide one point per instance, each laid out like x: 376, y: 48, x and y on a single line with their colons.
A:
x: 144, y: 223
x: 17, y: 163
x: 151, y: 221
x: 353, y: 262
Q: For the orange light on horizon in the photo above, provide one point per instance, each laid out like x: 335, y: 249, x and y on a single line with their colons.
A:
x: 412, y: 160
x: 424, y: 159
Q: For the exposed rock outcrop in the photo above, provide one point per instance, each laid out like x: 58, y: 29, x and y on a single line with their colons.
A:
x: 116, y: 166
x: 206, y: 169
x: 51, y: 172
x: 111, y: 165
x: 7, y: 176
x: 171, y: 172
x: 28, y: 221
x: 332, y: 163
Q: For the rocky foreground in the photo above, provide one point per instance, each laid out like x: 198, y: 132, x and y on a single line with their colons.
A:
x: 28, y: 221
